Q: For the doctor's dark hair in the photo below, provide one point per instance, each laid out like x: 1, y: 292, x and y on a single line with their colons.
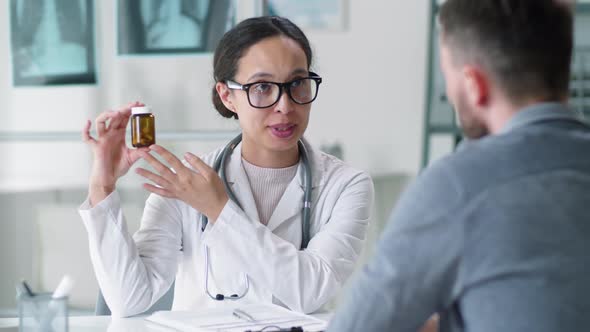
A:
x: 239, y: 39
x: 526, y: 45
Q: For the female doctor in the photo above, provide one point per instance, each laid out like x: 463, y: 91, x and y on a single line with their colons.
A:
x: 240, y: 231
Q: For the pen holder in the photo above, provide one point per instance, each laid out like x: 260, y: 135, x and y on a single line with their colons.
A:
x: 42, y: 313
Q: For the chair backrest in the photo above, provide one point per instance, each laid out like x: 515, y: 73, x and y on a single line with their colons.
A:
x: 164, y: 303
x: 61, y: 247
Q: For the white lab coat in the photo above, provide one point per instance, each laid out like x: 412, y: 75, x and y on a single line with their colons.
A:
x: 133, y: 273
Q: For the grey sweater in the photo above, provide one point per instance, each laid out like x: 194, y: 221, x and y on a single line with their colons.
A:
x: 495, y: 237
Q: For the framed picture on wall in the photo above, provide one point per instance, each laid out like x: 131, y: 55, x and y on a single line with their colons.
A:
x: 172, y: 26
x: 311, y: 14
x: 52, y: 42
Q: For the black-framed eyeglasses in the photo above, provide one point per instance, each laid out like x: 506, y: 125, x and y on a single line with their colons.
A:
x: 265, y: 94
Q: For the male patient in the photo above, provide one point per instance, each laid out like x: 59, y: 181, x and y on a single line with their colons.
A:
x: 495, y: 237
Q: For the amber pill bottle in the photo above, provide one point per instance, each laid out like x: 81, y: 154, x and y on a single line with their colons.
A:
x: 143, y: 127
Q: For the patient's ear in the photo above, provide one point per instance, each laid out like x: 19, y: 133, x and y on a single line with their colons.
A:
x: 431, y: 324
x: 477, y: 86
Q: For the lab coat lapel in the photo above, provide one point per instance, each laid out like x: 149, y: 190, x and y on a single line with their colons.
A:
x: 291, y: 203
x: 238, y: 181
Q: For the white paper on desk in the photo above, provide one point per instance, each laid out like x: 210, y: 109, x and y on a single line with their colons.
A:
x: 221, y: 319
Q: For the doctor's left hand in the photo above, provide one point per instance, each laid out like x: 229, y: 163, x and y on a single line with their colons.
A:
x: 201, y: 189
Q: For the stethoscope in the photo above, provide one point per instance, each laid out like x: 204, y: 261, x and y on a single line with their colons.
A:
x: 219, y: 167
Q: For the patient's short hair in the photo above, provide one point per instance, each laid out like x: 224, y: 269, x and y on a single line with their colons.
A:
x: 526, y: 45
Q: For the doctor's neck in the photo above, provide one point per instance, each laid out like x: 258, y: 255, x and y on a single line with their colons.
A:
x: 269, y: 158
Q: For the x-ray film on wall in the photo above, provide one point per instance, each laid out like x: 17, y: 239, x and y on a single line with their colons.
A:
x: 52, y: 42
x: 172, y: 26
x: 327, y: 15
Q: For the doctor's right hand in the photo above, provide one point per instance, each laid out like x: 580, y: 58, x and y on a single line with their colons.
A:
x: 112, y: 158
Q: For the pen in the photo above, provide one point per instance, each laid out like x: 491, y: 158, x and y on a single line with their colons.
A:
x: 27, y: 289
x: 23, y: 289
x: 63, y: 288
x: 241, y: 314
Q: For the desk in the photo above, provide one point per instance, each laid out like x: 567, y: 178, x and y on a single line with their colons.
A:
x: 105, y: 323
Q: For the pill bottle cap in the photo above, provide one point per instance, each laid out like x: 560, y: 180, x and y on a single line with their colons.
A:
x: 140, y: 110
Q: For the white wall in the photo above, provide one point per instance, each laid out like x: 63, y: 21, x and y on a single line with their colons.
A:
x: 371, y: 100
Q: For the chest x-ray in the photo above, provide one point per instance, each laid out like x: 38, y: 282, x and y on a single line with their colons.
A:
x: 52, y: 42
x: 310, y: 14
x: 172, y: 26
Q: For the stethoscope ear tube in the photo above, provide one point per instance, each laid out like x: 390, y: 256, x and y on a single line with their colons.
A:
x: 221, y: 170
x: 220, y: 161
x: 306, y: 196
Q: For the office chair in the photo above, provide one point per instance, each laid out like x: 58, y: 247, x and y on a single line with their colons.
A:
x: 164, y: 303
